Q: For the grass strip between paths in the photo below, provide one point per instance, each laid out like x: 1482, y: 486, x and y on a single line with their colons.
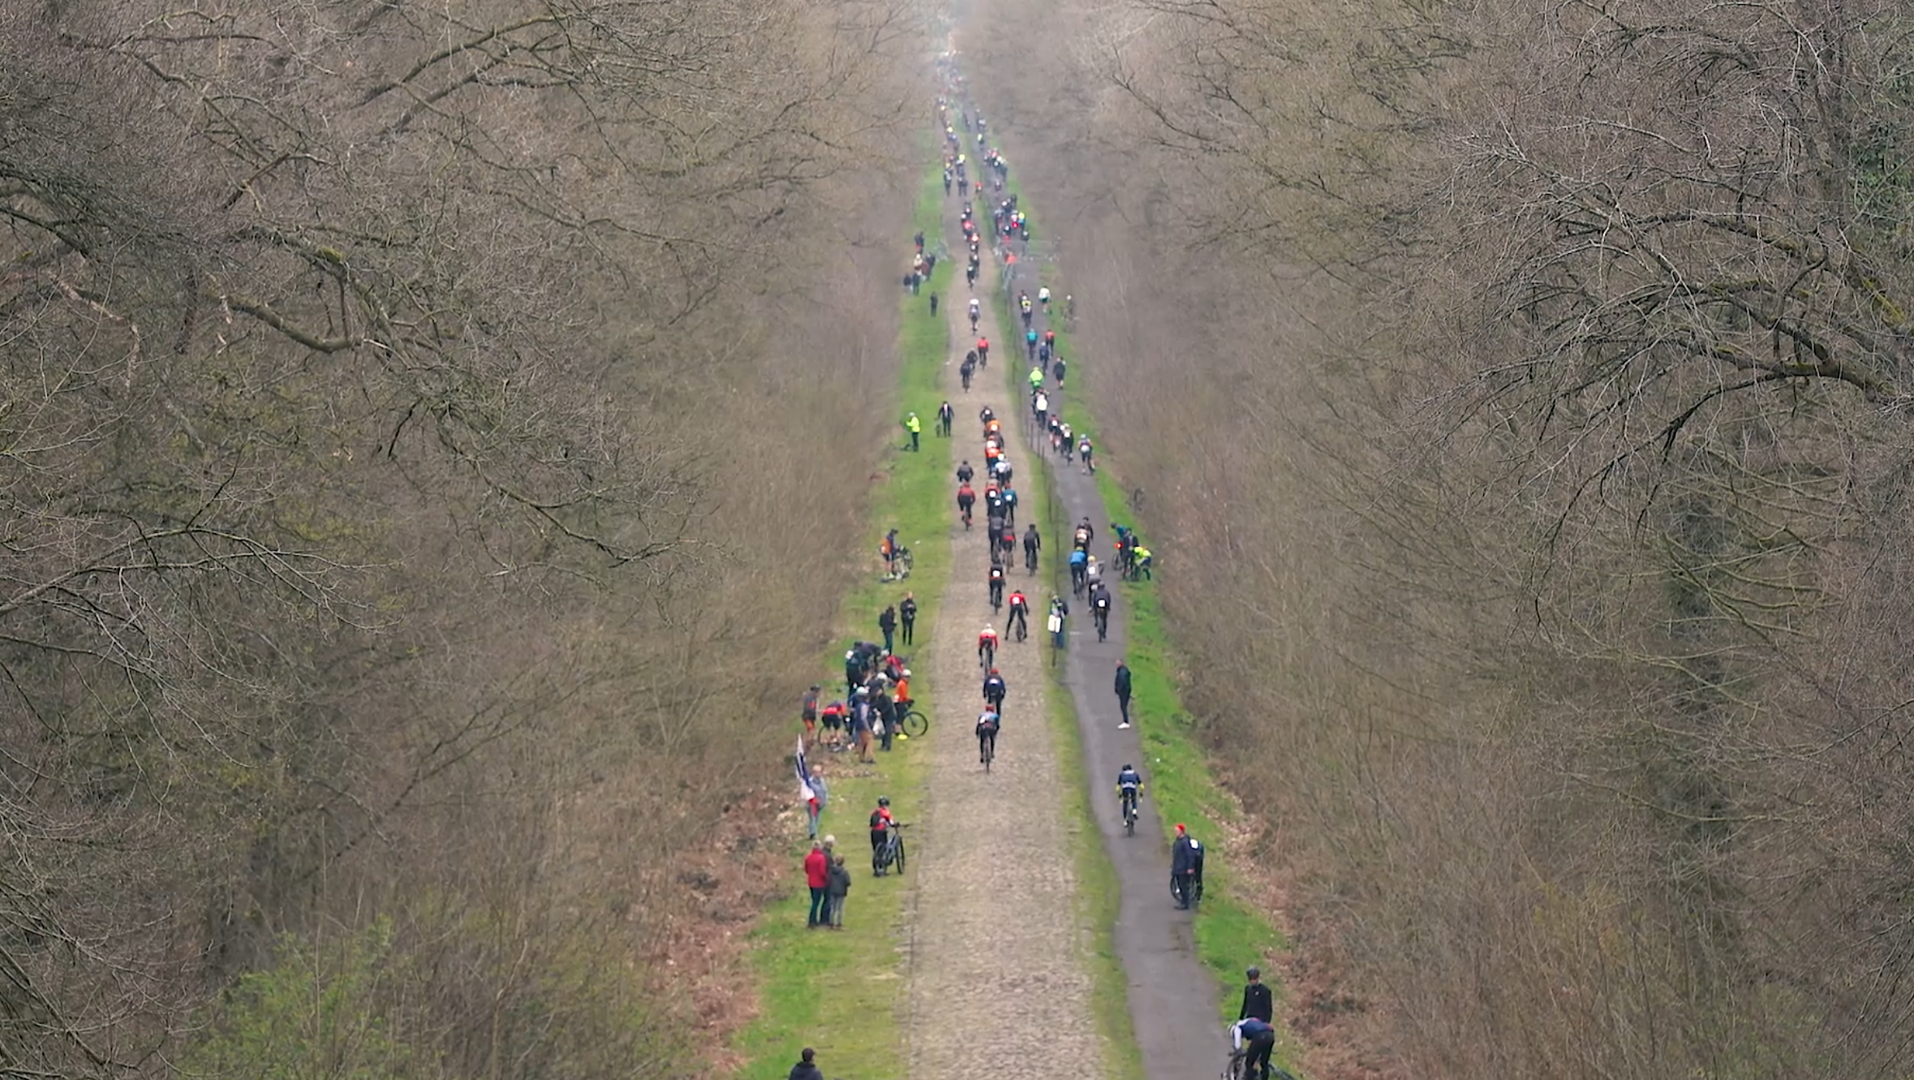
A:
x: 842, y: 992
x: 1230, y: 933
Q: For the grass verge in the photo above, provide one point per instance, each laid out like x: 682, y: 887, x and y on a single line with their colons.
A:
x: 1230, y: 932
x: 841, y: 992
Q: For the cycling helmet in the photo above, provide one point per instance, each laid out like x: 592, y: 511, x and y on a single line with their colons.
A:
x: 1255, y: 973
x: 883, y: 800
x: 1128, y: 767
x: 993, y: 671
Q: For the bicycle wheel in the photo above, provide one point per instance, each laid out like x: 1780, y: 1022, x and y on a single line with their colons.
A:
x: 899, y: 843
x: 915, y: 724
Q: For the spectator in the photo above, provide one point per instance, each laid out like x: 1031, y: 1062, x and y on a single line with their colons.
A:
x: 1256, y: 999
x: 840, y: 886
x: 907, y: 615
x: 887, y: 622
x: 820, y: 798
x: 807, y: 712
x: 806, y: 1068
x: 817, y: 874
x: 1123, y: 694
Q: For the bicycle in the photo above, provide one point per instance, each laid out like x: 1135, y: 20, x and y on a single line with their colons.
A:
x: 900, y: 565
x: 1030, y: 558
x: 913, y: 723
x: 1237, y: 1067
x: 1128, y: 796
x: 891, y: 853
x: 1020, y: 623
x: 1101, y: 613
x: 986, y: 656
x: 986, y: 744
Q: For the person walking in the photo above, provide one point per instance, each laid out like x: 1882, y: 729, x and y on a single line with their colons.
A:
x: 907, y: 617
x: 1123, y: 693
x: 887, y: 622
x: 817, y: 874
x: 933, y: 303
x: 839, y: 888
x: 806, y: 1068
x: 915, y: 427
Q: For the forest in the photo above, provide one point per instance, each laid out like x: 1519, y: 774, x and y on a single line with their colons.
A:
x: 433, y: 436
x: 387, y: 395
x: 1537, y: 511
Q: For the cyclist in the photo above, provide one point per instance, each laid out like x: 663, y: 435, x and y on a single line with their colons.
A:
x: 987, y: 646
x: 970, y: 274
x: 996, y: 586
x: 984, y: 416
x: 1085, y: 533
x: 1083, y: 451
x: 1036, y: 383
x: 1043, y: 294
x: 1040, y: 405
x: 1065, y: 445
x: 1100, y: 609
x: 983, y: 352
x: 1032, y: 544
x: 968, y: 368
x: 881, y: 822
x: 1030, y: 345
x: 1050, y: 339
x: 987, y: 724
x: 1129, y: 788
x: 1019, y: 614
x: 995, y: 691
x: 1092, y: 573
x: 1255, y: 1037
x: 975, y: 311
x: 1079, y: 563
x: 1006, y: 543
x: 1010, y: 502
x: 966, y: 498
x: 965, y: 472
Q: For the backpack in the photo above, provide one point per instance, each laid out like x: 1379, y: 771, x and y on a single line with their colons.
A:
x: 877, y: 820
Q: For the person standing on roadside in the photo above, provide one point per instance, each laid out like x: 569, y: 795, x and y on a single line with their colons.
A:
x: 945, y: 414
x: 807, y: 713
x: 907, y: 616
x: 806, y: 1068
x: 1186, y: 867
x: 839, y: 888
x: 915, y: 427
x: 820, y: 798
x: 1123, y: 692
x: 887, y: 622
x: 1256, y: 999
x: 817, y: 873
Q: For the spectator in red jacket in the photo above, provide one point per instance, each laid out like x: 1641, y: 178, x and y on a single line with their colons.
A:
x: 817, y: 874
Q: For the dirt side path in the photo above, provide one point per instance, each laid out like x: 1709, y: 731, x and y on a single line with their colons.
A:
x: 997, y: 985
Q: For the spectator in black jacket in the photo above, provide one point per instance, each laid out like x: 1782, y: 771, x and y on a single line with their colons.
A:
x: 1256, y: 999
x: 1123, y: 693
x: 806, y: 1068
